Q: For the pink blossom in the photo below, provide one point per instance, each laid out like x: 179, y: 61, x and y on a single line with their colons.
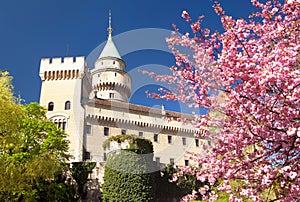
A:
x: 253, y: 68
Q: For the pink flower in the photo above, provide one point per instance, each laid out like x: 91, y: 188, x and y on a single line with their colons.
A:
x: 292, y: 175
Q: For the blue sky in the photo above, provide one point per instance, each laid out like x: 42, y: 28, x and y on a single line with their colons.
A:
x: 32, y: 29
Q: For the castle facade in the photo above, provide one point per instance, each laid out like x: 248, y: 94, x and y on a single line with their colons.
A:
x: 91, y: 105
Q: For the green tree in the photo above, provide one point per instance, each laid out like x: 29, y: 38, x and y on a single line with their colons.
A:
x: 128, y: 174
x: 32, y: 148
x: 80, y: 172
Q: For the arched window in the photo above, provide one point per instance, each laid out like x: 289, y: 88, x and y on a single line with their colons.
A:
x: 50, y: 106
x: 67, y: 105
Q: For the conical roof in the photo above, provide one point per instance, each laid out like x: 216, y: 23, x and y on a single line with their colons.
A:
x: 110, y: 49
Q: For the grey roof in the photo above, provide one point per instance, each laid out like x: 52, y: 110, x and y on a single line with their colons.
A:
x: 110, y: 49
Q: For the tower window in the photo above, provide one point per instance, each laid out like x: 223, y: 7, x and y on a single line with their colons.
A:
x: 197, y: 142
x: 87, y: 155
x: 106, y: 131
x: 114, y: 62
x: 186, y: 162
x: 88, y: 129
x: 123, y: 132
x: 169, y: 139
x: 115, y: 74
x: 50, y: 106
x: 157, y: 160
x: 60, y: 123
x: 67, y: 105
x: 64, y: 125
x: 111, y: 95
x: 155, y: 137
x: 183, y: 141
x: 141, y: 134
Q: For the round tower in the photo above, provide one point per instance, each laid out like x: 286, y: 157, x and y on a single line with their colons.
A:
x: 109, y: 77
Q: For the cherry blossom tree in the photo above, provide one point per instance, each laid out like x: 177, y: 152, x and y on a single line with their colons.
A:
x: 250, y: 76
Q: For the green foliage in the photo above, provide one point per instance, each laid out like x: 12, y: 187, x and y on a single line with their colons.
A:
x: 10, y: 112
x: 32, y: 148
x: 136, y: 144
x: 127, y: 176
x: 182, y: 187
x: 80, y: 172
x: 59, y: 189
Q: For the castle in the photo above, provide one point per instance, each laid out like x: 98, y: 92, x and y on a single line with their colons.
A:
x: 92, y: 104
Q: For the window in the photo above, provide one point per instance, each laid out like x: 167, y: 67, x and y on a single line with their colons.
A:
x: 115, y: 74
x: 61, y: 123
x: 114, y: 62
x: 106, y: 131
x: 186, y: 162
x: 141, y: 134
x: 209, y: 142
x: 183, y: 141
x: 157, y: 160
x: 169, y: 139
x: 172, y: 162
x: 123, y: 132
x: 64, y: 125
x: 197, y: 142
x: 111, y: 95
x: 155, y: 137
x: 67, y: 105
x: 104, y: 157
x: 87, y: 155
x: 50, y: 106
x: 88, y: 129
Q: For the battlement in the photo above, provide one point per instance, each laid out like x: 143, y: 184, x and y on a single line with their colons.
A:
x: 62, y: 68
x: 63, y: 60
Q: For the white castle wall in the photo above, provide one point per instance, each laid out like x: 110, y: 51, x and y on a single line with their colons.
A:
x: 133, y: 123
x: 69, y: 79
x: 62, y: 81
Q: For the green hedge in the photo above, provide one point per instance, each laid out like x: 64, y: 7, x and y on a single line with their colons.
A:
x: 126, y: 176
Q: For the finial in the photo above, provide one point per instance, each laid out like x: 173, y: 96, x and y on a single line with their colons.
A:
x: 109, y: 29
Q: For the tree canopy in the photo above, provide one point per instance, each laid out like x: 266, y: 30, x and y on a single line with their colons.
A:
x: 32, y: 148
x: 254, y: 66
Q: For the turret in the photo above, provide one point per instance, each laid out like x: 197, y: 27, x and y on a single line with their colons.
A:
x: 109, y: 77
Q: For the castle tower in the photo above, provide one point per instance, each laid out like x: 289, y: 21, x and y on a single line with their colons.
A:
x: 65, y: 84
x: 109, y: 77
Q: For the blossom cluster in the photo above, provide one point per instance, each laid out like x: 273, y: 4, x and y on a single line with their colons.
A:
x: 248, y: 78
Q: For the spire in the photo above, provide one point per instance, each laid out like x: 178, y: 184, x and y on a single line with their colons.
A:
x: 110, y: 50
x: 109, y: 29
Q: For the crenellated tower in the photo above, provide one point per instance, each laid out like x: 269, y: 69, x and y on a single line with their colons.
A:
x: 109, y: 77
x: 65, y: 85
